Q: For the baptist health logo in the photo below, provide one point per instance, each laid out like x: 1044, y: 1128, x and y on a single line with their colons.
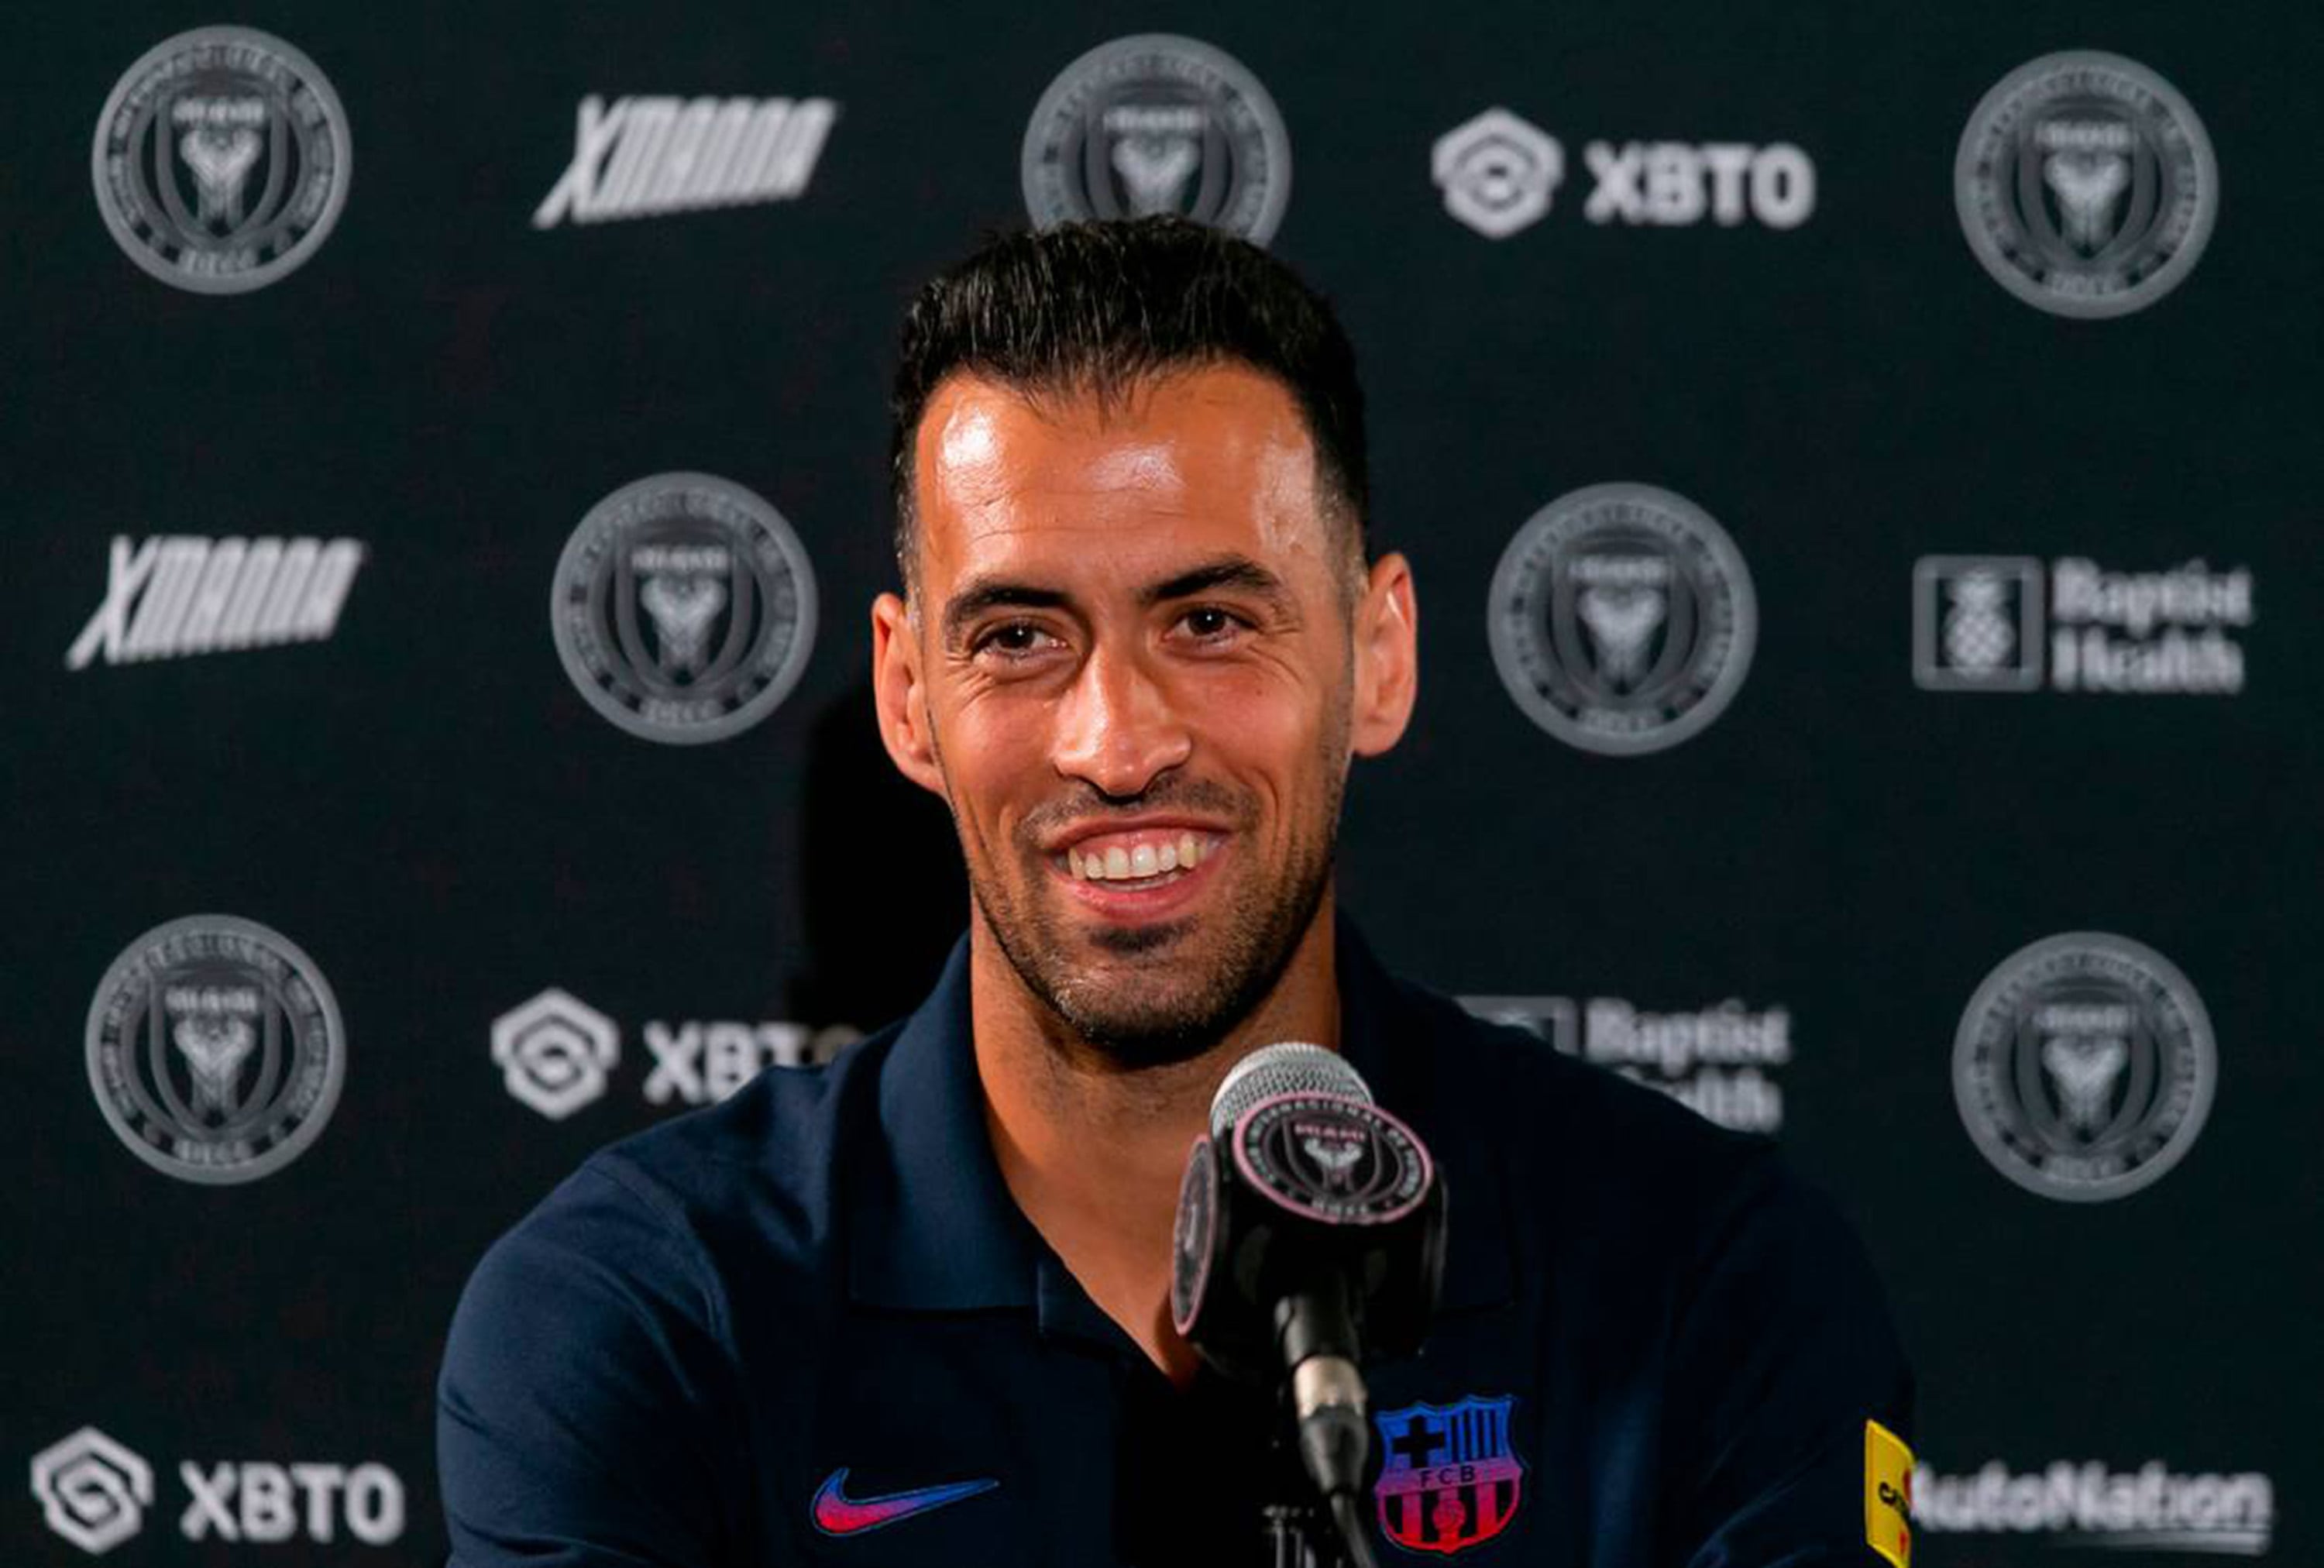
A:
x: 94, y: 1492
x: 2153, y: 1509
x: 1501, y: 172
x: 1979, y: 624
x: 1720, y: 1062
x: 644, y: 157
x: 167, y: 598
x: 557, y: 1054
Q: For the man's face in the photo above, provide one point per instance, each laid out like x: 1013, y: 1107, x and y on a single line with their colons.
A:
x: 1134, y: 672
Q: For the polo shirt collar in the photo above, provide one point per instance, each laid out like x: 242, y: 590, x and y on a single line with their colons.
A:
x: 935, y: 1227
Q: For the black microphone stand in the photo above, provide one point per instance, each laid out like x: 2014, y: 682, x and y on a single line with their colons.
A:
x: 1291, y: 1538
x: 1304, y: 1534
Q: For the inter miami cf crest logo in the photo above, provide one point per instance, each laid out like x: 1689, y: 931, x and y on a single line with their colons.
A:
x: 216, y: 1050
x: 1449, y: 1478
x: 1155, y: 124
x: 2086, y: 184
x: 221, y: 160
x: 684, y: 608
x: 1622, y: 619
x: 2085, y: 1066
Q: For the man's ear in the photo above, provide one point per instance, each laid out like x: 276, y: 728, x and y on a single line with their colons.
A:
x: 1388, y: 656
x: 897, y: 694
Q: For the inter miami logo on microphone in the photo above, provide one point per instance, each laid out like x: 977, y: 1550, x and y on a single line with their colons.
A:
x: 1449, y: 1477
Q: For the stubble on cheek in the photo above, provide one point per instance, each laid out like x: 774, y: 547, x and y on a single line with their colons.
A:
x: 1146, y: 994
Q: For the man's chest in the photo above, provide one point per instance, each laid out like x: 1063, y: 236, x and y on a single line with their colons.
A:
x: 973, y: 1438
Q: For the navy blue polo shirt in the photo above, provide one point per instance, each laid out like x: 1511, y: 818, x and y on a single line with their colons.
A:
x: 809, y: 1325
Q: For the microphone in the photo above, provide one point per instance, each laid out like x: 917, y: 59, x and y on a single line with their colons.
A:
x: 1310, y: 1234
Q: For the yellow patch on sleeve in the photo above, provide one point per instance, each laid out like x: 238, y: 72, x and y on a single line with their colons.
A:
x: 1887, y: 1495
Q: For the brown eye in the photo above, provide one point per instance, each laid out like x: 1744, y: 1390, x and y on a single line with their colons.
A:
x: 1011, y: 640
x: 1209, y: 623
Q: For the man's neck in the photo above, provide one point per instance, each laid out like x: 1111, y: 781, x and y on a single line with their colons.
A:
x: 1094, y: 1155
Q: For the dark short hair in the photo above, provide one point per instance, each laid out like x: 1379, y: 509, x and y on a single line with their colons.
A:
x: 1100, y: 307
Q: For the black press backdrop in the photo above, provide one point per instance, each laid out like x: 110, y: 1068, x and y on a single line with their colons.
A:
x: 522, y: 907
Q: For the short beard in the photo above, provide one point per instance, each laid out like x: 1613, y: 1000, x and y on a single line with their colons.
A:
x: 1260, y: 946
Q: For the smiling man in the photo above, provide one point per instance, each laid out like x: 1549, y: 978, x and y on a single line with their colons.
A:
x: 1139, y: 644
x: 923, y: 1291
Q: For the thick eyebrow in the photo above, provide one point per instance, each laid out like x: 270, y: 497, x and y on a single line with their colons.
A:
x: 983, y: 593
x: 1226, y: 572
x: 1233, y: 571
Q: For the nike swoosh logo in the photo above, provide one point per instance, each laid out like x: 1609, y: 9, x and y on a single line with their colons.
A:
x: 837, y: 1515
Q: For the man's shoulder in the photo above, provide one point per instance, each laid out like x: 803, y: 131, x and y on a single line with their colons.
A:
x: 610, y: 1349
x: 1503, y: 1074
x: 757, y: 1176
x: 1579, y: 1140
x: 1604, y: 1179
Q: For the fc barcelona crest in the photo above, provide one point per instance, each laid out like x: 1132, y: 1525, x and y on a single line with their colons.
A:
x: 1449, y: 1478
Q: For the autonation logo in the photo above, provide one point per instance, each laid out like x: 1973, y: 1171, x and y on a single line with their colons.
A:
x: 2153, y: 1509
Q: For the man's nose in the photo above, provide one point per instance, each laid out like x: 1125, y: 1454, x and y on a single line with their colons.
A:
x: 1118, y: 728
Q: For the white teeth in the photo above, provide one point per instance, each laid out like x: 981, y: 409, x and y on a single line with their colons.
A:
x: 1140, y: 863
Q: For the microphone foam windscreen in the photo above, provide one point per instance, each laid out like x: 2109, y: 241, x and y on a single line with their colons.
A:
x: 1290, y: 1067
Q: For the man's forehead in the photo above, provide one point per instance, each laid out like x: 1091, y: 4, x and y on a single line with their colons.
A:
x: 1186, y: 464
x: 1223, y: 394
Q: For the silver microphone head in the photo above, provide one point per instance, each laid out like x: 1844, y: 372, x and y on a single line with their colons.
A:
x: 1290, y: 1067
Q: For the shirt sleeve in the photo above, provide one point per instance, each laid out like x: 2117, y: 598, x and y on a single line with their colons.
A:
x: 582, y: 1419
x: 1784, y: 1353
